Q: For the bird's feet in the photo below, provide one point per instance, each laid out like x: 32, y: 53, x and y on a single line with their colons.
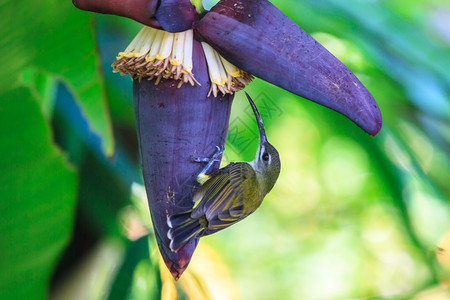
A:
x: 210, y: 161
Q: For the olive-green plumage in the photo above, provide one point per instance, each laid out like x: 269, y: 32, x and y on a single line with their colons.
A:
x: 229, y: 195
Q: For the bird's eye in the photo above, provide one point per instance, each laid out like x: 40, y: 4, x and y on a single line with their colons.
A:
x: 265, y: 157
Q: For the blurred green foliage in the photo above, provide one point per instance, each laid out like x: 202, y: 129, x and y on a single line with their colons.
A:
x: 351, y: 216
x: 30, y: 242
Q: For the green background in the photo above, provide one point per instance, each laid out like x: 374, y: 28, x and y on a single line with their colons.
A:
x: 351, y: 216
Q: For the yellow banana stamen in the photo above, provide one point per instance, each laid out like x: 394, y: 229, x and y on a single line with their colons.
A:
x: 224, y: 76
x: 157, y: 54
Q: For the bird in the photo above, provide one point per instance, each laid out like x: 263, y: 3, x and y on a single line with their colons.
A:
x: 228, y: 195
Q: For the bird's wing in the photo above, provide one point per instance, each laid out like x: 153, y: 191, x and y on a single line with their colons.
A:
x: 222, y: 197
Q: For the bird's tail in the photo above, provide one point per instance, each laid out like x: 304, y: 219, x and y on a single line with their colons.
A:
x: 182, y: 229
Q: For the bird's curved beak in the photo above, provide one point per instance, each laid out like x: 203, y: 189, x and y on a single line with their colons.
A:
x: 262, y: 132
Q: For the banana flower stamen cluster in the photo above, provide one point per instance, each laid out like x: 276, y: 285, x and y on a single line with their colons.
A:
x: 224, y: 76
x: 157, y: 54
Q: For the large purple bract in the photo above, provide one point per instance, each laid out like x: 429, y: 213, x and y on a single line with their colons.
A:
x: 174, y: 125
x: 257, y: 37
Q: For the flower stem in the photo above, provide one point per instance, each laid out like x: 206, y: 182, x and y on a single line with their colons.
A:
x: 199, y: 6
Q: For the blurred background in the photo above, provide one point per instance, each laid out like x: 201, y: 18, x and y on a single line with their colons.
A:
x: 351, y: 216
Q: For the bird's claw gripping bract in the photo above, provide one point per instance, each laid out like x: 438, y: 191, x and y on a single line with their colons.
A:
x: 179, y: 117
x: 215, y: 157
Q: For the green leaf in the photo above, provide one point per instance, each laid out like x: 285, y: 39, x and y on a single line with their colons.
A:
x: 43, y: 87
x: 137, y: 251
x: 102, y: 196
x: 55, y: 38
x: 38, y: 189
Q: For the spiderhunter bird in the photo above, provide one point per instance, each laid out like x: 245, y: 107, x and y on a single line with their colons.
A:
x: 227, y: 195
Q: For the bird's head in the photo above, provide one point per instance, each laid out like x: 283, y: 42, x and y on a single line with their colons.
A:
x: 267, y: 161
